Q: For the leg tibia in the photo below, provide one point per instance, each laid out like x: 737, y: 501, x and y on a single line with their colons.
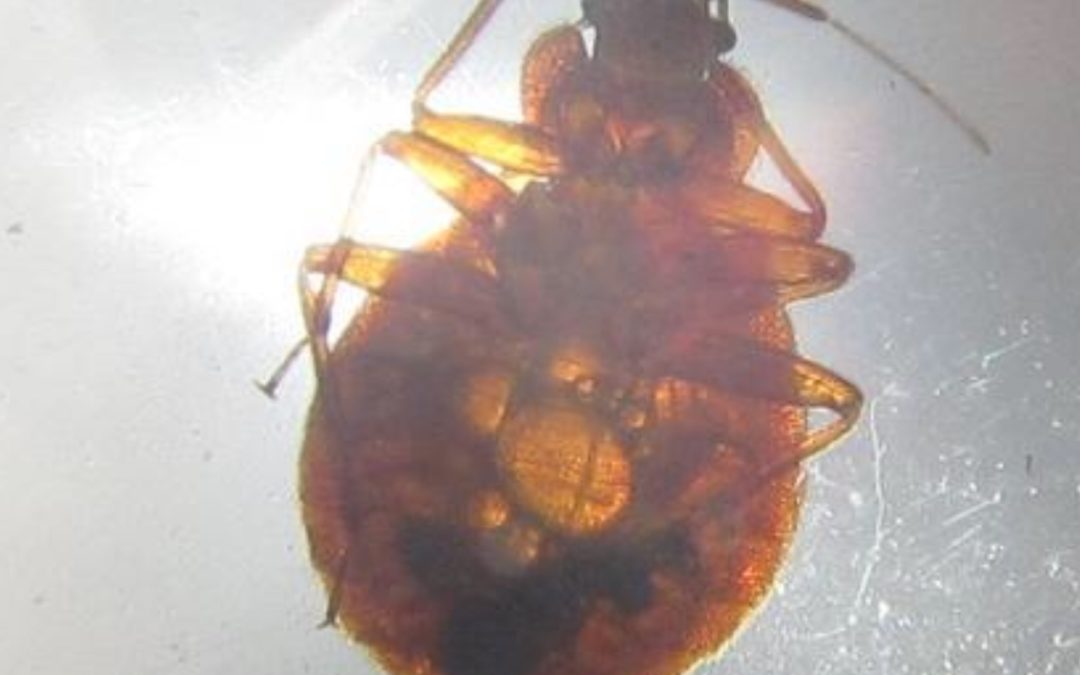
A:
x: 746, y: 368
x: 515, y: 147
x: 744, y: 208
x: 793, y: 269
x: 478, y: 195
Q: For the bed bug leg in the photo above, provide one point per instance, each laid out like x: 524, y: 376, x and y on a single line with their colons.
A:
x: 508, y: 145
x: 748, y: 209
x: 746, y: 368
x: 793, y: 269
x: 792, y: 172
x: 337, y: 590
x: 400, y: 276
x: 438, y: 150
x: 471, y: 190
x: 270, y: 385
x: 474, y: 192
x: 714, y: 196
x: 466, y: 35
x: 804, y: 9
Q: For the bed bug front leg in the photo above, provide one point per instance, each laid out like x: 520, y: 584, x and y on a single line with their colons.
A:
x: 714, y: 189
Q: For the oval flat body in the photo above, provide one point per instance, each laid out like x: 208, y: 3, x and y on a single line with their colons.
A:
x: 522, y: 504
x: 564, y: 436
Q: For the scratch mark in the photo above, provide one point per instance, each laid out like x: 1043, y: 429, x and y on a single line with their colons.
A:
x: 972, y: 510
x: 976, y: 384
x: 874, y: 552
x: 980, y: 385
x: 1057, y: 571
x: 953, y: 549
x: 990, y: 357
x: 993, y: 420
x: 825, y: 635
x: 1062, y: 642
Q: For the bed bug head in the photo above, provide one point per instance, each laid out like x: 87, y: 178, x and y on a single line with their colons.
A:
x: 660, y: 39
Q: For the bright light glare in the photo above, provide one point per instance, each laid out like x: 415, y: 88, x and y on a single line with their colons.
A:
x: 238, y: 191
x: 245, y: 195
x: 397, y: 209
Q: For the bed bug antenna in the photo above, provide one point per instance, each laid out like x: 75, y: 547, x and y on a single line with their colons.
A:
x: 815, y: 13
x: 460, y: 43
x: 803, y: 9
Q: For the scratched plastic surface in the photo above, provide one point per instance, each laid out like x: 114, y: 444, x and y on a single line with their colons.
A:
x: 164, y: 167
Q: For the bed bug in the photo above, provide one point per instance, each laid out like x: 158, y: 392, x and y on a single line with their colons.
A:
x: 564, y: 435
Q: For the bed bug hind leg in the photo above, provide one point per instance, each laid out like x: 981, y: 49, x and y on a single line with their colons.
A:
x: 337, y: 591
x: 745, y: 368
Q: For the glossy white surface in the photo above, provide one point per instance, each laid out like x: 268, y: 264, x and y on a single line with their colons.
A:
x: 164, y: 165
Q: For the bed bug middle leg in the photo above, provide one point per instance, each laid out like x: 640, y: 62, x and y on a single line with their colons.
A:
x: 747, y: 368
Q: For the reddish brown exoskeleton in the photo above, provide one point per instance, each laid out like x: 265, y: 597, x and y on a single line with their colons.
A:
x: 564, y: 436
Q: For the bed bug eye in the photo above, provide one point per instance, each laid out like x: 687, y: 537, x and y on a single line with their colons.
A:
x: 724, y: 37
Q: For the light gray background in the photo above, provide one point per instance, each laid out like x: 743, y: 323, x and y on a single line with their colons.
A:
x: 162, y: 165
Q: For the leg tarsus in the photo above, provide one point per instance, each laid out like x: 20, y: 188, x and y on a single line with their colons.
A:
x: 270, y: 385
x: 337, y: 591
x: 793, y: 173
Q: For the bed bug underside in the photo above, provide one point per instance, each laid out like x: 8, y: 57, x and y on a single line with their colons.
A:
x: 563, y: 437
